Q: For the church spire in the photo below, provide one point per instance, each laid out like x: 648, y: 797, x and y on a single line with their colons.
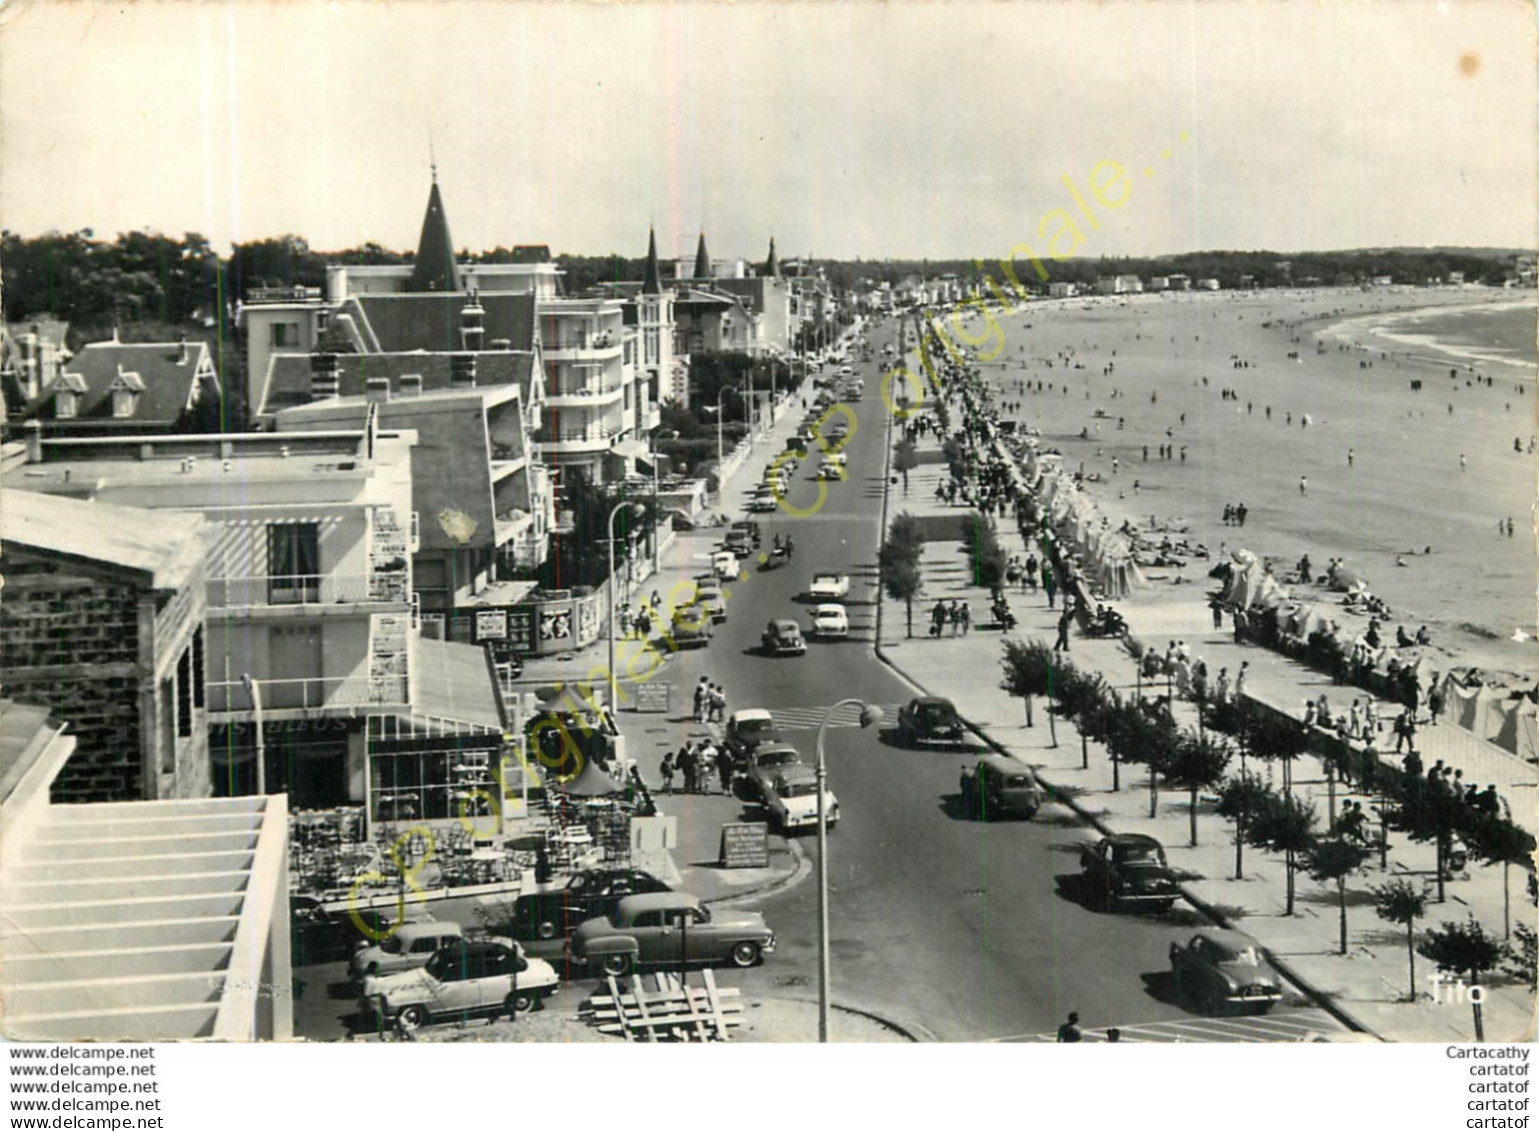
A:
x: 434, y: 269
x: 652, y: 278
x: 702, y: 260
x: 772, y: 267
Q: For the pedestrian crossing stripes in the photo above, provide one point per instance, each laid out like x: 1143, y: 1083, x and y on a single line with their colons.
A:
x: 809, y: 718
x: 1282, y: 1028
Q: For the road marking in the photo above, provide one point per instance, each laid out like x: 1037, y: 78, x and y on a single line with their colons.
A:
x: 1288, y: 1028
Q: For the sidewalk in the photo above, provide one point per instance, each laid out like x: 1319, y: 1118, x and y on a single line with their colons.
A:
x: 1370, y: 983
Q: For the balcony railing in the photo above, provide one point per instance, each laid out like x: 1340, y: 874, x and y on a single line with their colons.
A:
x: 313, y: 694
x: 568, y: 342
x: 306, y: 589
x: 575, y: 435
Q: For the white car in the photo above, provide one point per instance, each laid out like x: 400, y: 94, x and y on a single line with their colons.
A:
x: 830, y: 620
x: 831, y: 469
x: 724, y: 565
x: 829, y: 586
x: 792, y: 800
x: 486, y: 978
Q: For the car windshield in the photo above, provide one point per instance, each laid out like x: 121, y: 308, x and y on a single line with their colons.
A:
x: 1237, y: 955
x: 1147, y: 855
x: 797, y: 789
x: 937, y: 713
x: 392, y: 945
x: 825, y: 579
x: 779, y: 758
x: 756, y: 728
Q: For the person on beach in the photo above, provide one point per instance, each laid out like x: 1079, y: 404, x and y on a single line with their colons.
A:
x: 1303, y: 484
x: 1351, y: 457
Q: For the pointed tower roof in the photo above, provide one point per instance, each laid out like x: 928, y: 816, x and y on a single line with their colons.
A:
x: 772, y: 266
x: 434, y: 268
x: 702, y: 260
x: 652, y: 278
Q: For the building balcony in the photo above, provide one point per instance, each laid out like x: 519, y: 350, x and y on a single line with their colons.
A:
x: 592, y: 394
x: 297, y: 698
x: 331, y: 592
x: 593, y: 438
x: 578, y: 347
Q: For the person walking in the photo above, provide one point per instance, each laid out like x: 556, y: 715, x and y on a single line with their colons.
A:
x: 701, y: 689
x: 689, y: 765
x: 1031, y: 572
x: 718, y: 698
x: 1405, y: 732
x: 965, y: 616
x: 665, y: 771
x: 1069, y: 1032
x: 1049, y: 585
x: 1303, y: 484
x: 1217, y: 605
x: 725, y: 771
x: 938, y: 618
x: 1064, y: 620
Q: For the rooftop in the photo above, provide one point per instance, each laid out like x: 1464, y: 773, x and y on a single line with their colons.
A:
x: 164, y: 550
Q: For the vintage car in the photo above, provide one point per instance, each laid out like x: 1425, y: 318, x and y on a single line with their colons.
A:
x: 1223, y: 970
x: 1127, y: 870
x: 739, y: 543
x: 767, y: 762
x: 463, y: 980
x: 724, y: 565
x: 750, y: 526
x: 761, y: 504
x: 747, y: 729
x: 830, y: 621
x: 594, y: 891
x: 829, y: 586
x: 708, y: 596
x: 669, y: 929
x: 318, y: 934
x: 831, y: 468
x: 1000, y: 786
x: 929, y: 721
x: 691, y: 626
x: 783, y: 638
x: 409, y: 947
x: 792, y: 800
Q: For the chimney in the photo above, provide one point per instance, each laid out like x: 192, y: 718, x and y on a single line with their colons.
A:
x: 411, y: 386
x: 462, y: 371
x: 377, y: 390
x: 322, y: 320
x: 324, y: 376
x: 503, y: 344
x: 472, y: 329
x: 34, y: 431
x: 181, y: 349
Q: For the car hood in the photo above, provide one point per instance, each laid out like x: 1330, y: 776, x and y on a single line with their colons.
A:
x: 737, y: 920
x: 397, y: 983
x: 807, y: 806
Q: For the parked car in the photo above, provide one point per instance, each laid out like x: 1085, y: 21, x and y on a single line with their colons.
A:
x: 767, y: 762
x: 828, y: 586
x: 463, y: 980
x: 670, y: 929
x: 594, y: 891
x: 762, y: 504
x: 831, y: 468
x: 1127, y: 869
x: 739, y: 543
x: 792, y: 800
x: 783, y: 638
x: 752, y: 527
x: 409, y: 947
x: 929, y: 721
x: 1000, y: 786
x: 708, y: 596
x: 318, y: 935
x: 724, y: 565
x: 691, y: 626
x: 830, y: 621
x: 1223, y: 970
x: 747, y: 729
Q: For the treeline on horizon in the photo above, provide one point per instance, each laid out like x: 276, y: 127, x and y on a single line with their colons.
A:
x: 168, y: 281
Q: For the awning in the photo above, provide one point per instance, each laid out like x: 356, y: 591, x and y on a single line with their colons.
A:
x: 454, y: 683
x: 629, y: 449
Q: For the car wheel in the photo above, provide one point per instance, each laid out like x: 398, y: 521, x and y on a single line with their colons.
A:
x: 546, y: 929
x: 745, y: 954
x: 616, y: 965
x: 523, y: 1001
x: 412, y: 1018
x: 1163, y: 906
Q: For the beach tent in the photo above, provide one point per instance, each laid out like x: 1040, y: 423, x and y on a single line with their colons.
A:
x: 1466, y: 706
x: 591, y: 782
x: 1511, y: 724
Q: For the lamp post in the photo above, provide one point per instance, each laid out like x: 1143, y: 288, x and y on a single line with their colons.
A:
x: 614, y: 680
x: 868, y: 715
x: 254, y: 689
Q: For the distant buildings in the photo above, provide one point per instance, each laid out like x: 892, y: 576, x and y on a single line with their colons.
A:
x: 1119, y: 285
x: 1062, y: 290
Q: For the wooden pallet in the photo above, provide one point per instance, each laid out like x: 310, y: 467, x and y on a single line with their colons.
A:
x: 672, y: 1010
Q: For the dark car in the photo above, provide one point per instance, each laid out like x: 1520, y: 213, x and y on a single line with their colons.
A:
x: 740, y: 542
x: 783, y: 638
x: 1000, y: 786
x: 748, y: 525
x: 691, y: 626
x: 929, y: 721
x: 748, y: 728
x: 672, y: 930
x: 596, y: 891
x: 317, y: 935
x: 1221, y: 970
x: 1127, y: 870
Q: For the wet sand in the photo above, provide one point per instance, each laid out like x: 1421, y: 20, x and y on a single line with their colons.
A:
x: 1405, y: 490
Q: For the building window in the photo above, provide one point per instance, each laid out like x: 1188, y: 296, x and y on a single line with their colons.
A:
x: 123, y: 402
x: 65, y: 404
x: 168, y: 726
x: 293, y: 563
x: 284, y: 334
x: 184, y: 694
x: 197, y: 667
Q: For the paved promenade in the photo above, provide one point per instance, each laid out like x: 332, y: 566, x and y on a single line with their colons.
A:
x: 1369, y: 985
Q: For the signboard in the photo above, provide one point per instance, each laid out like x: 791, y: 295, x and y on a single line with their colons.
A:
x: 745, y: 845
x: 491, y: 624
x: 653, y: 697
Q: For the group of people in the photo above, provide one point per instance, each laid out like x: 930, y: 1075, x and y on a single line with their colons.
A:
x: 710, y: 702
x: 956, y: 613
x: 695, y: 763
x: 1234, y: 514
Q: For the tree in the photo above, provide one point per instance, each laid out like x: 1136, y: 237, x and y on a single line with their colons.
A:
x: 1401, y: 901
x: 1465, y: 948
x: 1330, y: 861
x: 1276, y: 737
x: 1134, y: 735
x: 901, y: 578
x: 1081, y: 697
x: 1285, y: 824
x: 1499, y: 841
x: 1197, y: 762
x: 1240, y: 799
x: 1029, y: 670
x: 986, y: 557
x: 1523, y: 959
x: 905, y: 457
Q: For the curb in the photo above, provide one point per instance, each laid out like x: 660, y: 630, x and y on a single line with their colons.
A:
x: 796, y: 875
x: 1319, y: 998
x: 914, y: 1033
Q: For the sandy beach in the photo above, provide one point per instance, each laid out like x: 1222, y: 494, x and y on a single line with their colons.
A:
x: 1402, y: 493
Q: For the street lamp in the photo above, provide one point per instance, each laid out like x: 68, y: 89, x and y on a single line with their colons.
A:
x: 868, y: 714
x: 614, y: 680
x: 720, y: 448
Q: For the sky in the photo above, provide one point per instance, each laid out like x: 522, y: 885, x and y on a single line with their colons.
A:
x: 843, y: 129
